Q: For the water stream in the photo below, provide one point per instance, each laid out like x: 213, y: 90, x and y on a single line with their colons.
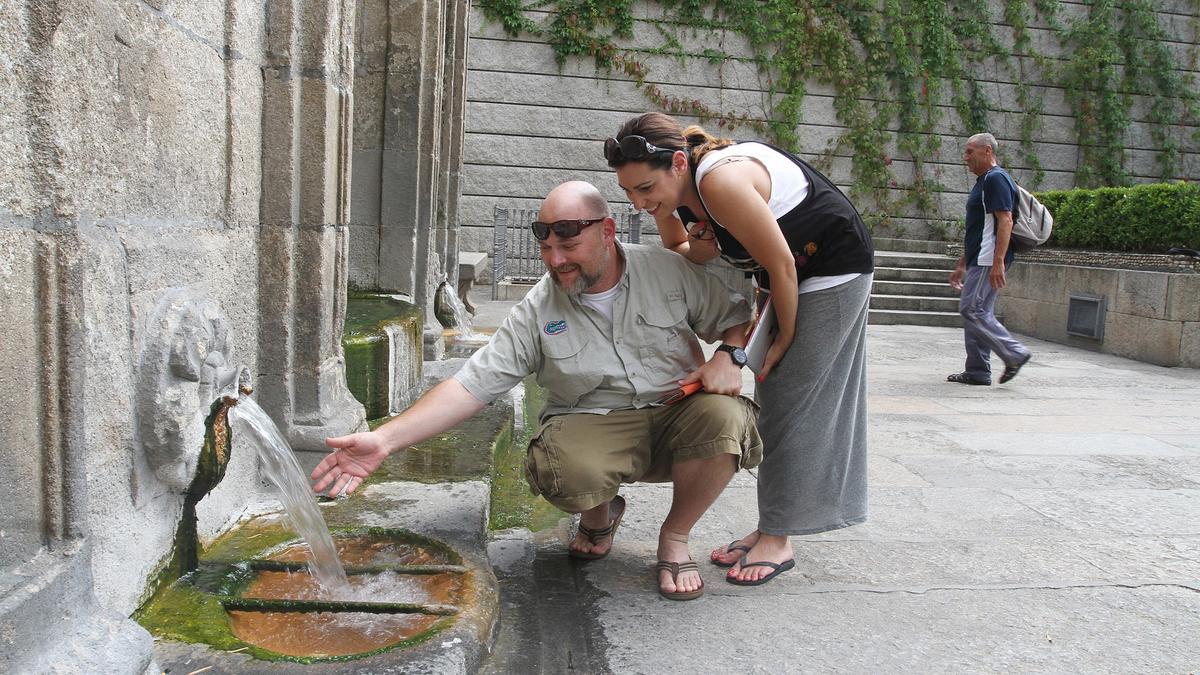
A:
x: 281, y: 468
x: 463, y: 318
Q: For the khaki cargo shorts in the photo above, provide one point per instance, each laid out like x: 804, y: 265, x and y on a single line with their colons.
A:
x: 579, y: 460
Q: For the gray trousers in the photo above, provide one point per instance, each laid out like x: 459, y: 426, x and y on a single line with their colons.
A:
x: 982, y: 333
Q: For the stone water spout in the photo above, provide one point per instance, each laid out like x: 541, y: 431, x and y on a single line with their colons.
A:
x: 186, y: 371
x: 187, y: 382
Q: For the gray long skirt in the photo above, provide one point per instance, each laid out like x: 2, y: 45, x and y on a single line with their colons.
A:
x: 813, y: 422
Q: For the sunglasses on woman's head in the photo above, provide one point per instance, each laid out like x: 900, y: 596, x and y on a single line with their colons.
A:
x: 631, y: 148
x: 565, y: 229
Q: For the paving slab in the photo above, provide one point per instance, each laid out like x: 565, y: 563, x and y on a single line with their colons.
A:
x: 1051, y: 524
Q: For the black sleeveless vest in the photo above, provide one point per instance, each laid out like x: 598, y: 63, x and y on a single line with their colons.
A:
x: 826, y: 235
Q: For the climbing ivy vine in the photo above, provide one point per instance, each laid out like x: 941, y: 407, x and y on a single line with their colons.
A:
x: 894, y: 67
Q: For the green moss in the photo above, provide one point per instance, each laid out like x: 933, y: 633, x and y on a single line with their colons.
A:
x: 249, y: 540
x: 365, y: 312
x: 512, y: 503
x: 365, y: 342
x: 184, y: 613
x: 190, y: 609
x: 462, y: 453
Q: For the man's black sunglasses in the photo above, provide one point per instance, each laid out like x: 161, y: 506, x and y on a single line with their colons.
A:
x: 563, y: 228
x: 631, y: 148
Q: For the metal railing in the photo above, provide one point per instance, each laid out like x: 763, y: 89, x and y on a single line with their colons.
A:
x: 516, y: 258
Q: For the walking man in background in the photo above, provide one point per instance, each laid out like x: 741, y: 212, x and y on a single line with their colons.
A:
x: 979, y: 275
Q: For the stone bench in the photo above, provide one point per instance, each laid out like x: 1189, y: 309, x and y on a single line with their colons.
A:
x: 471, y: 267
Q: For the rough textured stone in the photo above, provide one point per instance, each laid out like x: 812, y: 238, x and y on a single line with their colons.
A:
x: 517, y: 89
x: 1141, y: 294
x: 1189, y: 345
x: 994, y: 549
x: 1152, y: 340
x: 50, y: 621
x: 141, y: 147
x: 1045, y: 283
x: 1183, y: 297
x: 1093, y: 281
x: 20, y: 381
x: 1145, y: 308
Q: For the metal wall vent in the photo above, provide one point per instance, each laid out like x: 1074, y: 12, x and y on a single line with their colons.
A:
x: 1085, y: 315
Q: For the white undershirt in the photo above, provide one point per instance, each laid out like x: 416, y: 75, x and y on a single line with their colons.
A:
x: 601, y: 302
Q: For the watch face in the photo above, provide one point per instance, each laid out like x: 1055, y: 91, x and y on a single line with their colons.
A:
x: 736, y: 354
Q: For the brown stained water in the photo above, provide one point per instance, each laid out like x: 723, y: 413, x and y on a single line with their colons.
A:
x: 357, y: 550
x: 318, y: 634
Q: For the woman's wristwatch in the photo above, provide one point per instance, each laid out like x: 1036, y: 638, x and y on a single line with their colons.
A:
x: 736, y: 354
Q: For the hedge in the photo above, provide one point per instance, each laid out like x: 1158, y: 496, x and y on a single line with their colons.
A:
x: 1145, y: 218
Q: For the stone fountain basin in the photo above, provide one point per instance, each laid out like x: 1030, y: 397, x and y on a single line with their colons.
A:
x: 405, y: 588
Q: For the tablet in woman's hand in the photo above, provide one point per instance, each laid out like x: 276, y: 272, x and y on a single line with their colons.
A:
x: 761, y: 336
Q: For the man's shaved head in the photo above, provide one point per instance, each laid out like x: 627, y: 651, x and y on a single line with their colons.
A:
x: 574, y: 199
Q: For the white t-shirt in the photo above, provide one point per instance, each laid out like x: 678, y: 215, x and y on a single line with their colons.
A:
x: 601, y: 302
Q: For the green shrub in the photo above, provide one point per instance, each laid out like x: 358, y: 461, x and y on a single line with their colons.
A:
x: 1145, y: 218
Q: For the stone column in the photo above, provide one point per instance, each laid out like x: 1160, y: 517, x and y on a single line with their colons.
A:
x: 49, y: 615
x: 307, y: 98
x: 453, y: 115
x: 411, y: 72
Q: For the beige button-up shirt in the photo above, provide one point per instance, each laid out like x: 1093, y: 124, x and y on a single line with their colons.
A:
x: 587, y: 364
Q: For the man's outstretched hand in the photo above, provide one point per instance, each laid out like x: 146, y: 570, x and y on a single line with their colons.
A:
x: 353, y: 459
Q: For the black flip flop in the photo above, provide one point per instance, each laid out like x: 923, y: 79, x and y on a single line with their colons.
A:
x: 1011, y: 371
x: 730, y: 547
x: 779, y: 568
x: 593, y: 535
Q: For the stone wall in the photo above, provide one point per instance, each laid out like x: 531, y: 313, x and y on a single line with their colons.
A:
x: 1150, y: 316
x: 532, y: 124
x: 153, y: 148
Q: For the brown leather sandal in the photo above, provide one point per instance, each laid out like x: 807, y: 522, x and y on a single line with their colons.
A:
x: 616, y: 509
x: 675, y: 568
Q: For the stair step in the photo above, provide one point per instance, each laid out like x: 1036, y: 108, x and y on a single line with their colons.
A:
x: 931, y: 261
x: 914, y: 303
x: 928, y: 289
x: 897, y: 317
x: 911, y: 274
x: 910, y: 245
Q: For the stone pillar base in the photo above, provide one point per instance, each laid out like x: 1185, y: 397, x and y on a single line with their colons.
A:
x: 50, y: 621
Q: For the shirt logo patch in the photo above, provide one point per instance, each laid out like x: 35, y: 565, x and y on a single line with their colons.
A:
x: 555, y: 327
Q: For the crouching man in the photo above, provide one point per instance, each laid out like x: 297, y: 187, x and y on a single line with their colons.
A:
x: 609, y: 331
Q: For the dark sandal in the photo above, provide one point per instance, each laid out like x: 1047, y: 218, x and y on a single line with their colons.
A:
x: 779, y: 568
x: 732, y: 546
x: 963, y: 378
x: 675, y: 569
x: 1011, y: 371
x: 595, y: 535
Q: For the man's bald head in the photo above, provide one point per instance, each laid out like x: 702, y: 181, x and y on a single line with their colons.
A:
x: 574, y: 200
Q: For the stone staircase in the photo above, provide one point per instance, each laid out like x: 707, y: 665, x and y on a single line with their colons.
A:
x: 911, y: 285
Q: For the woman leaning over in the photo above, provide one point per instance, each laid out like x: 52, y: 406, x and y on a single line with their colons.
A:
x: 766, y: 211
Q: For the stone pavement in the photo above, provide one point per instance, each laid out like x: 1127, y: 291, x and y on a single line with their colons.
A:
x: 1050, y: 524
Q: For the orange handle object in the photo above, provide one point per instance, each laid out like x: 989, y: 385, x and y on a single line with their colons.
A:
x: 680, y: 394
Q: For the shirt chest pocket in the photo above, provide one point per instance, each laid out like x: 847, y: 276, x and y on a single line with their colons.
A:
x: 664, y: 339
x: 568, y: 373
